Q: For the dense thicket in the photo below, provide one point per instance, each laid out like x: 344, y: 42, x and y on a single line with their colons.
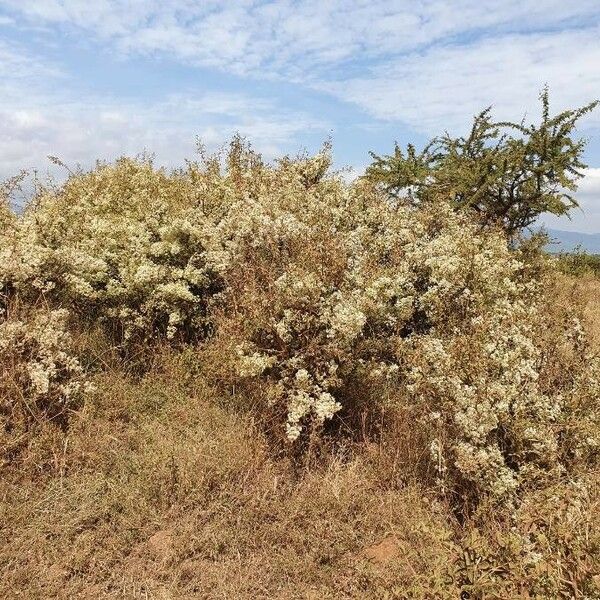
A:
x: 319, y: 298
x: 195, y: 335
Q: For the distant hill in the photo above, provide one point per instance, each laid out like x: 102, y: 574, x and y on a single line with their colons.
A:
x: 567, y: 241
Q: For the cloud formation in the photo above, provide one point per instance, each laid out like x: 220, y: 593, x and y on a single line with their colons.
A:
x: 425, y: 65
x: 42, y: 116
x: 443, y: 86
x: 424, y: 62
x: 586, y: 218
x: 295, y: 36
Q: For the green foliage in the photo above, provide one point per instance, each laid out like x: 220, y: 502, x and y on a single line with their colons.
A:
x: 579, y: 262
x: 507, y: 173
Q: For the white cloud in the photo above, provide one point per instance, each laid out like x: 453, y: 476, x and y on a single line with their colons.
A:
x: 586, y: 218
x: 429, y: 63
x: 444, y: 86
x: 42, y: 114
x: 288, y: 37
x: 80, y: 132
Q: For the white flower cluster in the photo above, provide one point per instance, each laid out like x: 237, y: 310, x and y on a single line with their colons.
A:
x: 340, y: 289
x: 125, y: 244
x: 38, y: 372
x: 345, y: 278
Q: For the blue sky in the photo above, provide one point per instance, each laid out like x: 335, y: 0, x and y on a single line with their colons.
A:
x: 85, y: 80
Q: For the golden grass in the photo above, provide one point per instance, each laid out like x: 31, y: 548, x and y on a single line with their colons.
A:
x: 581, y: 295
x: 156, y: 493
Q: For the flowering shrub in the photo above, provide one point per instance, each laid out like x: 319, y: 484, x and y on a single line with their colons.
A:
x: 125, y: 244
x: 322, y: 293
x: 8, y: 223
x: 331, y: 287
x: 39, y: 374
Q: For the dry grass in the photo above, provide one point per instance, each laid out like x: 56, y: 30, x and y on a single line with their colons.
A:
x: 157, y: 492
x: 583, y: 291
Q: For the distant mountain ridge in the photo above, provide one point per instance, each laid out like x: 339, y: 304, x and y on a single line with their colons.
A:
x: 567, y: 241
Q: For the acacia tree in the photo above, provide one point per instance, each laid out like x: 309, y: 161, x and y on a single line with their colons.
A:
x: 508, y: 173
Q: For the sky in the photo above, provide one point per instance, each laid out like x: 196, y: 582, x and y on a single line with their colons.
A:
x: 86, y: 80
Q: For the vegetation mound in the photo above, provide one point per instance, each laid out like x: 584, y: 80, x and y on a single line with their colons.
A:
x: 316, y: 387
